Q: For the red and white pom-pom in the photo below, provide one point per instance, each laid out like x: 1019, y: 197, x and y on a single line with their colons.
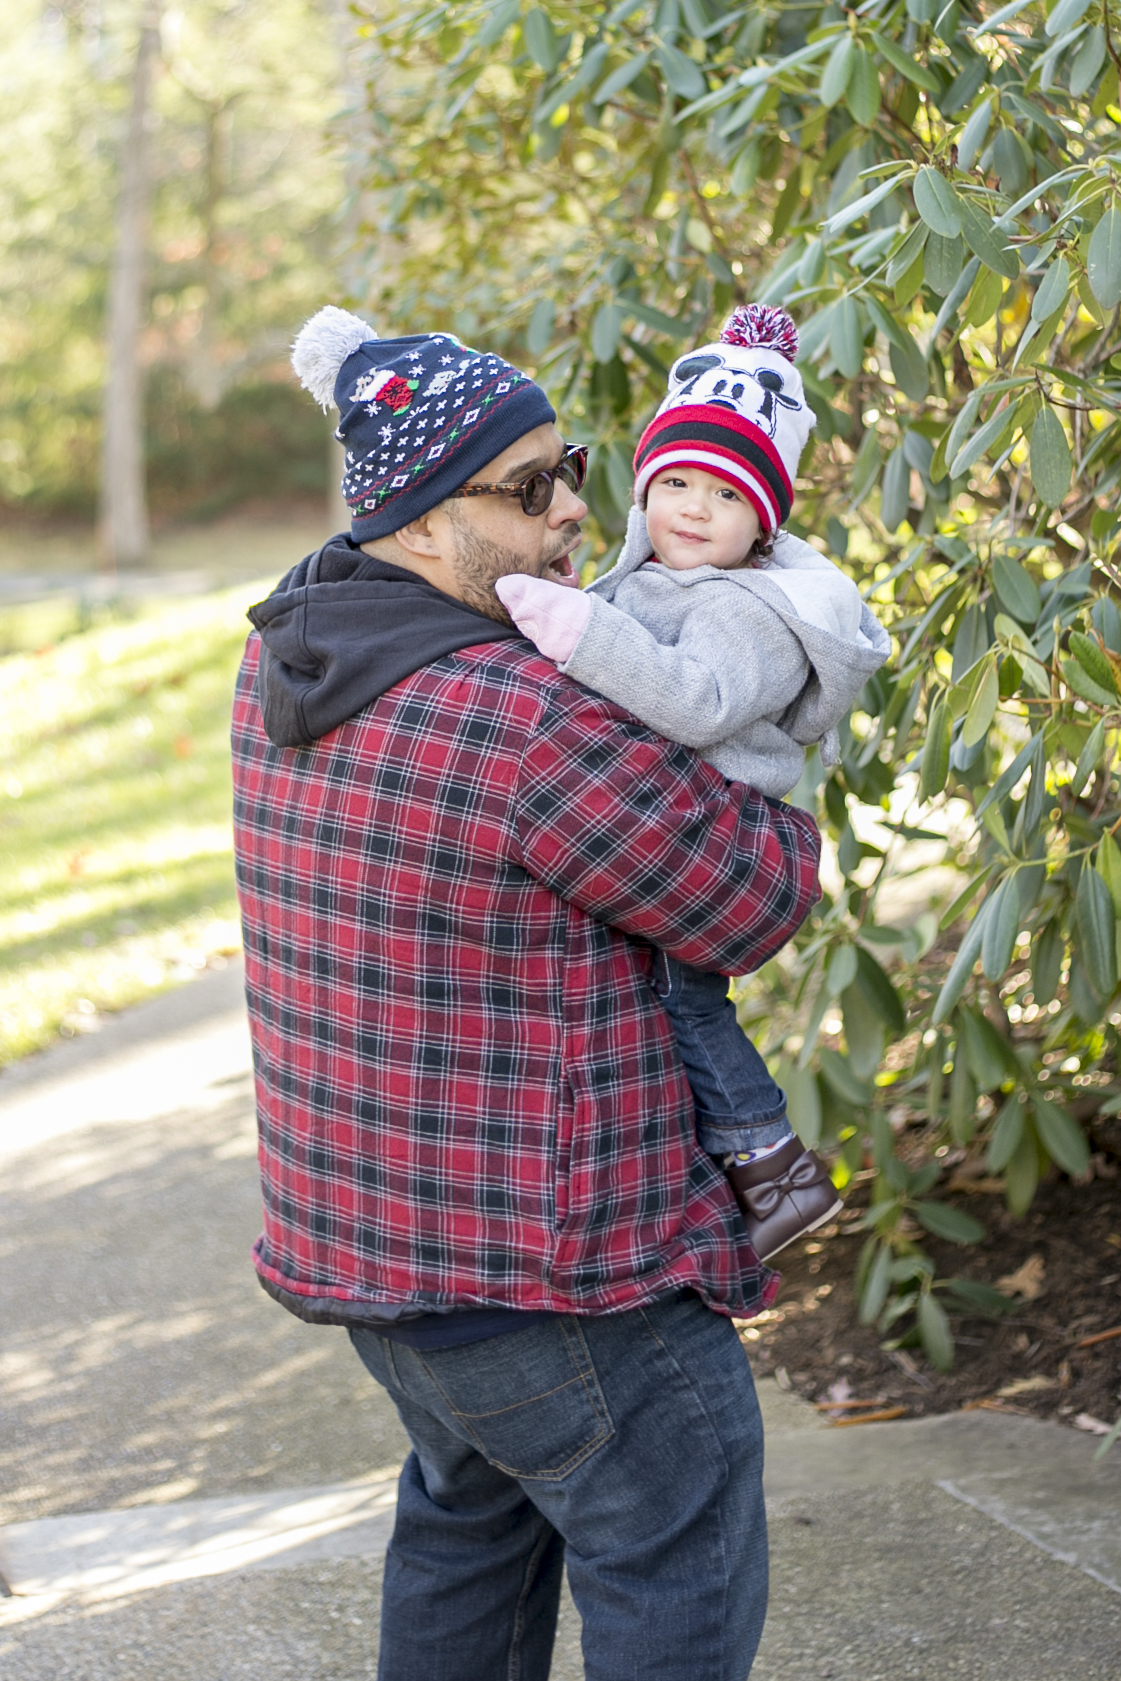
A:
x: 761, y: 327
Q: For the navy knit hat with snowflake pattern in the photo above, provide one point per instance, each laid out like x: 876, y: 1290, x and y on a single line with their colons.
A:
x: 419, y: 416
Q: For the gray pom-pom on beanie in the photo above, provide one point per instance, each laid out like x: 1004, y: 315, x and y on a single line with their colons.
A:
x: 321, y: 347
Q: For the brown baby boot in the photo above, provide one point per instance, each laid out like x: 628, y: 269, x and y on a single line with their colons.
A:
x: 783, y: 1195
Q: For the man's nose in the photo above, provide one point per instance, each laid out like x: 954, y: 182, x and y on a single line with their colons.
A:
x: 566, y: 506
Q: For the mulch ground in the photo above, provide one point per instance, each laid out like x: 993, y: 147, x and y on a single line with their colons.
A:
x: 1036, y: 1360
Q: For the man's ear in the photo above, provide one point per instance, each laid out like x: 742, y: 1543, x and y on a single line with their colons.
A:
x: 416, y: 538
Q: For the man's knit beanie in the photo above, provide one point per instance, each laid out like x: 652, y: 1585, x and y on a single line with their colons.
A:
x: 736, y: 409
x: 419, y: 416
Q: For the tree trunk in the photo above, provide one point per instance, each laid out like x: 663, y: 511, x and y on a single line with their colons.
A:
x: 123, y: 523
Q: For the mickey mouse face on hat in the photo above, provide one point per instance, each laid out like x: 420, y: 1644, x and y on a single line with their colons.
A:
x: 757, y: 384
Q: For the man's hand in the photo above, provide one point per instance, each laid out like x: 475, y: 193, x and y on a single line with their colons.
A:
x: 549, y: 614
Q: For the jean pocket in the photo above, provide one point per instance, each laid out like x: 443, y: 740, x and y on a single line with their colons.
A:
x: 530, y: 1402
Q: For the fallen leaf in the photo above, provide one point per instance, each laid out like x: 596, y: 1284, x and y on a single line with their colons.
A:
x: 1026, y: 1281
x: 1028, y: 1385
x: 782, y: 1378
x: 1095, y: 1426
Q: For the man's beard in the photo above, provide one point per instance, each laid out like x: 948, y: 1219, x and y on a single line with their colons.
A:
x: 479, y: 562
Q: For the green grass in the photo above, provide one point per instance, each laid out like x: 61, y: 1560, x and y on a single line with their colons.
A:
x: 116, y: 873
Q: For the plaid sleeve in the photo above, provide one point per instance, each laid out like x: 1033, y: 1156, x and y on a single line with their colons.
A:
x: 642, y: 834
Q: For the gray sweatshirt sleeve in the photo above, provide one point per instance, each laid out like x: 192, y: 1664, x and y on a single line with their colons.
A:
x: 706, y: 676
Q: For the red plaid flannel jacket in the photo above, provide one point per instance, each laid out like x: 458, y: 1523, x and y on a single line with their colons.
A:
x: 468, y: 1094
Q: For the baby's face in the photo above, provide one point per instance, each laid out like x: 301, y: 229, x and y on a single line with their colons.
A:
x: 695, y: 519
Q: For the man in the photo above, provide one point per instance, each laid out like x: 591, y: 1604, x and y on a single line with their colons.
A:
x: 477, y: 1142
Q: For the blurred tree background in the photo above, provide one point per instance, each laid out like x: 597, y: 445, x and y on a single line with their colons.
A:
x: 247, y: 198
x: 933, y: 188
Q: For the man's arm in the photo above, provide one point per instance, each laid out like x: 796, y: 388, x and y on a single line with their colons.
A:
x: 642, y: 834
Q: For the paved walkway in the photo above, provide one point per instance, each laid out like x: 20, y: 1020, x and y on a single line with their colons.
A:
x: 196, y: 1487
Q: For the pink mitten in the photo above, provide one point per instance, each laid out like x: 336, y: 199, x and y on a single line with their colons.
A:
x: 549, y: 614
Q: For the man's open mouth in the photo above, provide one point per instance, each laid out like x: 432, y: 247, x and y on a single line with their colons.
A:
x: 561, y: 571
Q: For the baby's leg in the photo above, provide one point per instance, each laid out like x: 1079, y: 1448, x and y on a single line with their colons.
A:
x: 783, y: 1189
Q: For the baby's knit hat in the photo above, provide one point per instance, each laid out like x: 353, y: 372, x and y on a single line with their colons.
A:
x: 736, y: 409
x: 418, y: 415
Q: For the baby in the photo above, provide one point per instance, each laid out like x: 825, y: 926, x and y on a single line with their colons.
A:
x: 725, y: 633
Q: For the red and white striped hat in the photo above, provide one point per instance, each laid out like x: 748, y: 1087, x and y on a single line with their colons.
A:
x: 736, y: 409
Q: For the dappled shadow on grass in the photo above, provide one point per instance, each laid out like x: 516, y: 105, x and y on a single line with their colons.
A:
x: 205, y: 882
x: 139, y: 1359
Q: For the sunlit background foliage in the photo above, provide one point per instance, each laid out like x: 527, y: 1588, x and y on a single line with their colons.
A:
x: 933, y: 190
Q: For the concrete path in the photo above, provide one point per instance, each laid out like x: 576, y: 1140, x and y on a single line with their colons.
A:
x: 195, y: 1487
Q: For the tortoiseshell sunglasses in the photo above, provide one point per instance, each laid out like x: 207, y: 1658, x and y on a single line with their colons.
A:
x: 536, y: 492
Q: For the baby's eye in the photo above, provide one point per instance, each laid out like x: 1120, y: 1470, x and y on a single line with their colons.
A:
x: 728, y: 494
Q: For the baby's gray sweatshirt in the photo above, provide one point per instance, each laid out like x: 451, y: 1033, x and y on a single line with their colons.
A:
x: 750, y: 667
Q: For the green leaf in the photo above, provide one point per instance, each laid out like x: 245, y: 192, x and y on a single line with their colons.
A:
x: 621, y: 78
x: 846, y: 340
x: 1053, y: 290
x: 1092, y: 660
x: 963, y: 1102
x: 655, y: 318
x: 1050, y: 458
x: 682, y: 75
x: 874, y: 1294
x: 1017, y: 589
x: 865, y: 468
x: 949, y: 1223
x: 541, y: 40
x: 936, y: 750
x: 1076, y: 679
x: 1021, y: 1176
x: 841, y: 970
x: 984, y: 299
x: 963, y: 423
x: 803, y: 1102
x: 942, y: 262
x: 906, y: 66
x: 1046, y: 963
x: 1061, y: 1137
x: 909, y: 367
x: 985, y: 242
x: 982, y: 708
x: 863, y: 92
x: 937, y: 203
x: 1003, y: 926
x: 934, y: 1328
x: 1087, y: 61
x: 962, y: 966
x: 860, y: 207
x: 606, y: 327
x: 911, y: 248
x: 540, y: 328
x: 879, y: 991
x: 1006, y: 1135
x: 980, y: 1298
x: 840, y: 1076
x: 838, y: 69
x: 864, y: 1032
x: 982, y: 439
x: 973, y: 135
x: 1103, y: 260
x: 1065, y: 15
x: 990, y: 1057
x: 1088, y: 760
x: 895, y: 492
x: 1109, y: 868
x: 1097, y: 927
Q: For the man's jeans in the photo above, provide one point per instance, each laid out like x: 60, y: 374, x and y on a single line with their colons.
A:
x: 739, y: 1106
x: 628, y: 1446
